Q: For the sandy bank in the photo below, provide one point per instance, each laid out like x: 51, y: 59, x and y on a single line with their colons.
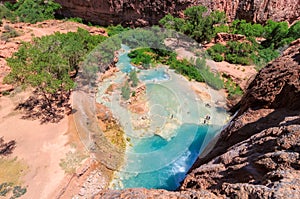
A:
x: 40, y: 147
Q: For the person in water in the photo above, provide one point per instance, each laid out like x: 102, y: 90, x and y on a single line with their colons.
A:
x: 206, y: 119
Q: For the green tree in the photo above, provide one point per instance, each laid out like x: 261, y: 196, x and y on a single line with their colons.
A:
x: 48, y: 63
x: 125, y: 91
x: 32, y: 11
x: 294, y: 31
x: 247, y: 29
x: 133, y: 78
x: 197, y: 23
x: 114, y: 30
x: 279, y: 31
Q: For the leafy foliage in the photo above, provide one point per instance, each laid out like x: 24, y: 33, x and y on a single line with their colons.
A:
x: 125, y: 91
x: 197, y: 23
x: 232, y: 88
x: 76, y: 19
x: 32, y: 11
x: 133, y: 78
x: 8, y: 33
x: 142, y: 56
x: 17, y: 191
x: 49, y: 62
x: 247, y: 29
x: 114, y: 30
x: 276, y: 34
x: 6, y: 13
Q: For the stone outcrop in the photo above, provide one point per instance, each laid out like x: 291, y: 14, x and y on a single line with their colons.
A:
x: 257, y: 155
x: 142, y: 13
x: 128, y: 12
x: 256, y: 10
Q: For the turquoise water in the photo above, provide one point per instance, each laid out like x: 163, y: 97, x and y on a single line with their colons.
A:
x: 170, y: 175
x: 160, y: 155
x: 158, y: 74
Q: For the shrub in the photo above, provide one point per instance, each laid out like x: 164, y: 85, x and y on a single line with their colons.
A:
x: 9, y: 33
x: 114, y: 30
x: 232, y: 88
x: 133, y: 78
x: 247, y: 29
x: 294, y: 31
x: 197, y: 23
x: 217, y: 57
x: 125, y: 91
x: 32, y: 11
x: 76, y: 19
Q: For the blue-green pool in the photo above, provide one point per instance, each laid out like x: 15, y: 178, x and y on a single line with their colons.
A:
x: 161, y: 157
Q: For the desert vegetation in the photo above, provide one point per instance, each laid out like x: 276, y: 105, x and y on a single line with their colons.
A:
x: 49, y: 64
x: 30, y: 11
x: 10, y: 171
x: 276, y: 35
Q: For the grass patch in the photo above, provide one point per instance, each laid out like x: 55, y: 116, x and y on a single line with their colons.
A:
x: 233, y: 89
x: 9, y: 32
x: 11, y: 170
x: 72, y: 161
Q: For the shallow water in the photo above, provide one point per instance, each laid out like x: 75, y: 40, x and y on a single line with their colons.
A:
x: 160, y: 154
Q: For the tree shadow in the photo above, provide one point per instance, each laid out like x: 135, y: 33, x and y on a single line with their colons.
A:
x: 50, y: 108
x: 6, y: 148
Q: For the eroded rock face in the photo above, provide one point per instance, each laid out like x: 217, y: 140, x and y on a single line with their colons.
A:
x: 142, y: 13
x: 128, y: 12
x: 256, y: 10
x: 258, y: 154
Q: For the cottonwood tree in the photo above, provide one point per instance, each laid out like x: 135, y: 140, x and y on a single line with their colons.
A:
x: 49, y: 64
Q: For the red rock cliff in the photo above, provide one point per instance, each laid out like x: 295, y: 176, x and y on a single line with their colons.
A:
x: 105, y: 12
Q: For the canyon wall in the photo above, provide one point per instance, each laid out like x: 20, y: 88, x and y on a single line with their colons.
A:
x: 258, y: 154
x: 142, y: 13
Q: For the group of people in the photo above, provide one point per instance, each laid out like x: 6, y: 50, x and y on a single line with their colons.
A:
x: 206, y: 119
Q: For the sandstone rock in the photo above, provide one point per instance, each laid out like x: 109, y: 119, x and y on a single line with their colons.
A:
x: 143, y: 13
x: 257, y: 155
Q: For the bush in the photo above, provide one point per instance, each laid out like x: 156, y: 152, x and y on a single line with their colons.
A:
x: 247, y: 29
x: 32, y: 11
x: 114, y: 30
x: 294, y: 31
x: 221, y: 28
x: 232, y: 88
x: 197, y: 23
x: 125, y: 91
x: 217, y: 57
x: 76, y: 19
x: 9, y: 33
x: 47, y: 61
x: 219, y: 48
x: 133, y: 78
x: 5, y: 13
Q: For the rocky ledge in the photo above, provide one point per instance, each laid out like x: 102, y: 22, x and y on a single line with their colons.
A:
x: 257, y: 155
x: 142, y: 13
